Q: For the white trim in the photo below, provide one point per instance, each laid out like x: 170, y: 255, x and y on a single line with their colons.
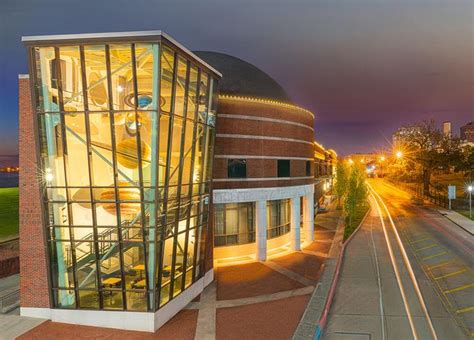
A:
x: 262, y: 157
x: 23, y: 76
x: 136, y: 34
x: 263, y: 119
x: 229, y: 135
x: 137, y: 321
x: 260, y: 194
x: 259, y: 179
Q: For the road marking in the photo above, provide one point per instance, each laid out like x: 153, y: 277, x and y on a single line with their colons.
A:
x: 427, y: 247
x: 459, y: 288
x: 451, y: 274
x: 438, y: 265
x: 423, y: 239
x: 397, y: 273
x: 409, y: 268
x: 464, y: 310
x: 433, y: 256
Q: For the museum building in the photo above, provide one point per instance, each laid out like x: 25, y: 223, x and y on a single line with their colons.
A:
x: 116, y: 146
x: 263, y: 182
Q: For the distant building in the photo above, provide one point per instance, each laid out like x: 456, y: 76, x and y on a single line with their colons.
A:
x: 447, y: 129
x: 467, y: 133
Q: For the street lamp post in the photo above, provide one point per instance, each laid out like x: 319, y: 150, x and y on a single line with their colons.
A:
x: 469, y: 188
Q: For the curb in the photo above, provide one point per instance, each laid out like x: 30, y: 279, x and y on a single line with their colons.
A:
x: 323, y: 295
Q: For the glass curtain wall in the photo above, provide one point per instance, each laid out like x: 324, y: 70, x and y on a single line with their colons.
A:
x: 126, y: 138
x: 278, y: 218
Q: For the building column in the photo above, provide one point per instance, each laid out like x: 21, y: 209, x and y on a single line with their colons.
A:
x: 261, y: 229
x: 308, y: 217
x: 295, y: 224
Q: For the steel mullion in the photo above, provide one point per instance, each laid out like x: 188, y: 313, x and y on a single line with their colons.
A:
x: 157, y: 184
x: 140, y: 174
x: 115, y: 170
x: 180, y: 164
x: 170, y: 149
x: 196, y: 124
x: 65, y: 162
x: 89, y: 161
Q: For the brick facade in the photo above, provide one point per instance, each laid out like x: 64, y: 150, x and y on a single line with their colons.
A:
x: 34, y: 291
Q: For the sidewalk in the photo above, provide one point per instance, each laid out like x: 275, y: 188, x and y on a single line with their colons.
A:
x: 460, y: 220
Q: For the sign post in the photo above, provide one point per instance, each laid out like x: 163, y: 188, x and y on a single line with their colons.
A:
x: 451, y: 194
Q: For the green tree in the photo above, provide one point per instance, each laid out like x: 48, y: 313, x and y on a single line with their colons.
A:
x: 356, y: 193
x: 428, y: 147
x: 340, y: 187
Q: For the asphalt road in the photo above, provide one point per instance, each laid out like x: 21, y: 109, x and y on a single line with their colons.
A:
x: 407, y: 274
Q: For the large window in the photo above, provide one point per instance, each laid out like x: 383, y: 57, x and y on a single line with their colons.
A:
x: 123, y: 139
x: 237, y: 168
x: 233, y: 224
x: 283, y: 168
x: 278, y: 218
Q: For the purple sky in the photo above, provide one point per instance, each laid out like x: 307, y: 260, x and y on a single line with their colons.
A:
x: 364, y: 67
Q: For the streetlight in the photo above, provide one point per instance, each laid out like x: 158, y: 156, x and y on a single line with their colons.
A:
x: 469, y: 189
x: 382, y: 158
x: 399, y: 154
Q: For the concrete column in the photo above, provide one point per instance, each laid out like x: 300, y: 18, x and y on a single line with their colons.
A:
x: 295, y: 224
x: 308, y: 217
x: 261, y: 229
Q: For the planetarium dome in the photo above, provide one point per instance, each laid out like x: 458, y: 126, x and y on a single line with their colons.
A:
x: 241, y: 78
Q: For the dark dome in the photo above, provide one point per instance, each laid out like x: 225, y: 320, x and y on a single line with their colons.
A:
x: 242, y: 78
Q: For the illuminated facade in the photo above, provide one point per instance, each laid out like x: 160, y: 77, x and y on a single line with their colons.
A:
x: 125, y: 137
x: 263, y: 174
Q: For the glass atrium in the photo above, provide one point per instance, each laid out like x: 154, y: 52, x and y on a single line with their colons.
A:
x: 126, y: 134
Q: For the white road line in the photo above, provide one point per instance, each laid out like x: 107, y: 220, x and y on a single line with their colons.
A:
x: 397, y: 273
x: 408, y: 265
x: 379, y: 283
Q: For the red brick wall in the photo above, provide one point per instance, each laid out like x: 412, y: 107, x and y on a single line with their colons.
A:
x: 33, y: 273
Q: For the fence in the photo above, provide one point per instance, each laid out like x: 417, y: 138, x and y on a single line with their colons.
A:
x: 435, y: 196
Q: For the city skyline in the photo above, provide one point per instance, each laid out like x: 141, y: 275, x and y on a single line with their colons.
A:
x: 364, y: 67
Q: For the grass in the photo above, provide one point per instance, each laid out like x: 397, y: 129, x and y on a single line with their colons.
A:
x: 466, y: 213
x: 8, y: 212
x: 360, y: 212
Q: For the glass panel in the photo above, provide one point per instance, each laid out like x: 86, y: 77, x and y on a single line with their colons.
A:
x: 47, y: 79
x: 211, y: 117
x: 109, y: 256
x: 71, y: 78
x: 64, y: 298
x: 86, y: 269
x: 179, y: 261
x: 81, y: 213
x: 134, y: 265
x: 61, y: 266
x: 147, y: 122
x: 127, y: 149
x: 192, y: 95
x: 113, y: 299
x: 121, y: 74
x: 89, y: 299
x: 77, y: 149
x: 166, y: 270
x: 203, y: 99
x: 175, y: 150
x: 164, y: 133
x: 167, y: 70
x: 180, y: 87
x: 136, y: 300
x: 146, y: 56
x: 96, y: 74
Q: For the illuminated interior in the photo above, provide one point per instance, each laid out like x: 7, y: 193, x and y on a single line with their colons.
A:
x: 126, y: 139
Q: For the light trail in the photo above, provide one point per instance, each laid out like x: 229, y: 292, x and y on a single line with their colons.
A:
x: 408, y: 265
x: 396, y: 270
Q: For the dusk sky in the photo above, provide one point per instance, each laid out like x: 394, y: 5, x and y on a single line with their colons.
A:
x: 364, y: 67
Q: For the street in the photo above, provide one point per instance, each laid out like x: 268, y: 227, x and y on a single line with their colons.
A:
x: 407, y: 273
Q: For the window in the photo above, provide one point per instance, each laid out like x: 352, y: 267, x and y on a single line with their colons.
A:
x: 283, y: 168
x: 234, y: 224
x: 237, y: 168
x: 308, y: 168
x: 278, y: 218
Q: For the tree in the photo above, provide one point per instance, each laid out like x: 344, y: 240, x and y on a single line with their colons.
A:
x: 341, y: 182
x: 427, y: 146
x: 356, y: 193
